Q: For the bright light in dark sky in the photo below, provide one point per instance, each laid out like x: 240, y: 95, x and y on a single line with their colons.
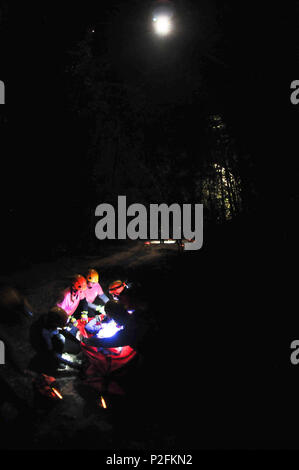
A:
x: 162, y: 25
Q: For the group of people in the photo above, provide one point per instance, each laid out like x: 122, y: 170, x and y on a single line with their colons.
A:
x: 83, y: 318
x: 55, y: 335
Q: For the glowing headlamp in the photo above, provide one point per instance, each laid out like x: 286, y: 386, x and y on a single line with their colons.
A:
x: 109, y: 329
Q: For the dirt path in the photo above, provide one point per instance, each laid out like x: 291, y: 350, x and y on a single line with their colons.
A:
x: 41, y: 282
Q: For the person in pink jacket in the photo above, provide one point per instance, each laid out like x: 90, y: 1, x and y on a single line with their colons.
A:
x: 93, y: 292
x: 72, y: 296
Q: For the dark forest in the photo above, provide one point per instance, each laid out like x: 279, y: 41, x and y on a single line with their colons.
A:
x: 100, y: 106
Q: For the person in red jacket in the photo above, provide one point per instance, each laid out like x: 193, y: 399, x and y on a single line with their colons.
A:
x: 116, y: 288
x: 121, y: 291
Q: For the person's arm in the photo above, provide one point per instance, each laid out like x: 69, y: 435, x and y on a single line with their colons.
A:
x: 101, y: 296
x: 82, y: 308
x: 92, y: 305
x: 68, y: 362
x: 70, y: 330
x: 93, y: 326
x: 104, y: 298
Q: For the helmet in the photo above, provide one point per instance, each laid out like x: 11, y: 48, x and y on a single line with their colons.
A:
x: 116, y: 287
x: 14, y: 307
x: 79, y: 283
x: 92, y: 275
x: 56, y: 317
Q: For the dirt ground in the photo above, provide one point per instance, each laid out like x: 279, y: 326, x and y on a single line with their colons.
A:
x: 78, y: 420
x: 217, y: 361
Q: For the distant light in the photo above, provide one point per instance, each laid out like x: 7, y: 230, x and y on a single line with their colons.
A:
x: 169, y: 241
x: 162, y: 25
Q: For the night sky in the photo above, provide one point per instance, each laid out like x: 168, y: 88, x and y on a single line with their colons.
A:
x: 226, y: 57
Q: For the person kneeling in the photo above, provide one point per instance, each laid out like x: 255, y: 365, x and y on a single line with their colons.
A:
x: 50, y: 343
x: 94, y: 296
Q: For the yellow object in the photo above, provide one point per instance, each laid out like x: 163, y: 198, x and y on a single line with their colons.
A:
x: 84, y: 316
x: 92, y: 275
x: 100, y: 308
x: 73, y: 320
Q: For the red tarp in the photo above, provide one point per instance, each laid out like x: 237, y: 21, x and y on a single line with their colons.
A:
x: 101, y: 366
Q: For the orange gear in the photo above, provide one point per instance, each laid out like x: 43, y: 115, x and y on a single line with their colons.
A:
x: 92, y: 275
x: 79, y: 283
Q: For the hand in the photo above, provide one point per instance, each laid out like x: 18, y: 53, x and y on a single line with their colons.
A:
x: 79, y: 336
x: 84, y: 316
x: 73, y: 321
x: 100, y: 308
x: 100, y: 317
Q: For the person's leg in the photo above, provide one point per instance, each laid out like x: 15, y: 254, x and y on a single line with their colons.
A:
x: 72, y: 345
x: 58, y: 342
